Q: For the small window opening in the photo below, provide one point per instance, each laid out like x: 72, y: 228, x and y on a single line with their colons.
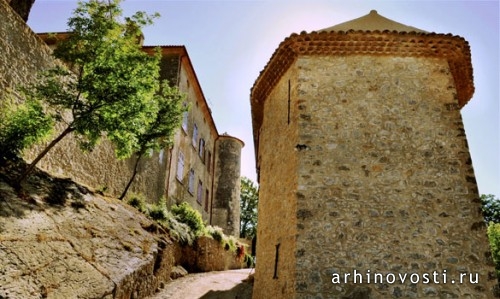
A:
x: 289, y: 100
x: 276, y: 258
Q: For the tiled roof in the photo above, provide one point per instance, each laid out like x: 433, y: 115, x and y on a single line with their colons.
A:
x: 371, y: 22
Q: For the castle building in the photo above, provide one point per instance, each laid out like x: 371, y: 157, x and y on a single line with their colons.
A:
x: 366, y: 185
x: 202, y: 168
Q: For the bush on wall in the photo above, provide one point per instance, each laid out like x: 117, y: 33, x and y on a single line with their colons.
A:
x: 188, y: 215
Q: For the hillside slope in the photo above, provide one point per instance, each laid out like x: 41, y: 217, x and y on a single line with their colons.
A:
x: 59, y: 239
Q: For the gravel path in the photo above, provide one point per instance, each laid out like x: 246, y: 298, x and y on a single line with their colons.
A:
x: 209, y: 285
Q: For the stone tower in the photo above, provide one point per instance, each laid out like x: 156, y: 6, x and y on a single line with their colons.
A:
x: 366, y: 183
x: 226, y: 205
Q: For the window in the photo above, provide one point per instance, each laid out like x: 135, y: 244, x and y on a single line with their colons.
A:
x: 185, y: 119
x: 195, y: 135
x: 209, y: 159
x: 201, y: 150
x: 200, y: 192
x: 180, y: 166
x: 191, y: 181
x: 206, y: 200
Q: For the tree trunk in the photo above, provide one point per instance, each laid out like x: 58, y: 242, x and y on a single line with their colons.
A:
x: 30, y: 167
x: 139, y: 156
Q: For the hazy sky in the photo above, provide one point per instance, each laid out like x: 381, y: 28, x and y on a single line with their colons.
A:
x: 230, y: 42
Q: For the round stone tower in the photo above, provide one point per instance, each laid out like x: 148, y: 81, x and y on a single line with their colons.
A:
x: 226, y: 203
x: 366, y: 185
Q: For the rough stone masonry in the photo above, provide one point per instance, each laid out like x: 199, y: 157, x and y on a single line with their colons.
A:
x: 366, y: 183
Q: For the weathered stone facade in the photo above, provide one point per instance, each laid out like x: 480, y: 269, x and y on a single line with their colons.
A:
x: 207, y: 255
x: 226, y: 206
x: 19, y: 62
x: 364, y: 166
x: 24, y: 54
x: 278, y: 182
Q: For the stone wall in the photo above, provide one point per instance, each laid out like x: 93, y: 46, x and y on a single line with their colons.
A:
x: 386, y: 184
x: 226, y: 205
x: 277, y: 209
x: 207, y: 255
x: 22, y: 53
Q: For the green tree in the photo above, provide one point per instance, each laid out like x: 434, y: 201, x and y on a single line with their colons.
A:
x: 21, y: 126
x: 249, y: 197
x: 494, y: 239
x: 491, y: 214
x: 110, y: 85
x: 158, y: 134
x: 491, y: 208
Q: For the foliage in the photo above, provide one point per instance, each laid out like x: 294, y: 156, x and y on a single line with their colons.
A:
x: 158, y: 133
x: 215, y: 232
x: 138, y: 201
x: 159, y: 211
x: 184, y: 223
x: 188, y: 215
x: 249, y: 197
x: 22, y: 126
x: 230, y: 243
x: 491, y: 208
x: 179, y: 231
x: 110, y: 85
x: 248, y: 260
x: 491, y: 214
x: 494, y: 238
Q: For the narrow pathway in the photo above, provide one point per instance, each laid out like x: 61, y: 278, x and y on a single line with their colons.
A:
x: 210, y: 285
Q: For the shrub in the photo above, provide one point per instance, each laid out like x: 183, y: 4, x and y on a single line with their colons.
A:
x: 186, y: 214
x: 138, y: 202
x: 179, y: 231
x: 249, y: 260
x: 230, y: 243
x: 159, y: 211
x: 215, y: 232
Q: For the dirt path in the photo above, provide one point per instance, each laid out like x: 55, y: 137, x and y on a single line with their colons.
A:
x: 209, y: 285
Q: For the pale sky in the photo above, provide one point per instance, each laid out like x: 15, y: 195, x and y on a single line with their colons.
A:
x: 229, y: 43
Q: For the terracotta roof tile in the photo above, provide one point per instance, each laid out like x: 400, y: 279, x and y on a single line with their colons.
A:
x: 371, y: 22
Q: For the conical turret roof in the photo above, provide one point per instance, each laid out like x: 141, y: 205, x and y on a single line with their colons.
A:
x: 371, y: 22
